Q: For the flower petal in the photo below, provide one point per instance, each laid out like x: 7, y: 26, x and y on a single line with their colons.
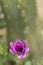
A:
x: 11, y: 44
x: 22, y: 56
x: 18, y: 41
x: 27, y: 49
x: 11, y: 51
x: 25, y: 43
x: 19, y: 53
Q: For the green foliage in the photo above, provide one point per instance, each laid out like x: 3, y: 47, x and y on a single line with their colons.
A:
x: 3, y: 49
x: 41, y: 62
x: 28, y: 63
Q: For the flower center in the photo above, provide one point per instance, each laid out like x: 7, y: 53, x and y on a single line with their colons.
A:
x: 20, y: 49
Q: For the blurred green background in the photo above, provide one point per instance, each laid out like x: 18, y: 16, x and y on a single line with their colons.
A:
x: 19, y: 19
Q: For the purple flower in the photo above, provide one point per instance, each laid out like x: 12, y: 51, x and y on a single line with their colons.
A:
x: 19, y: 48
